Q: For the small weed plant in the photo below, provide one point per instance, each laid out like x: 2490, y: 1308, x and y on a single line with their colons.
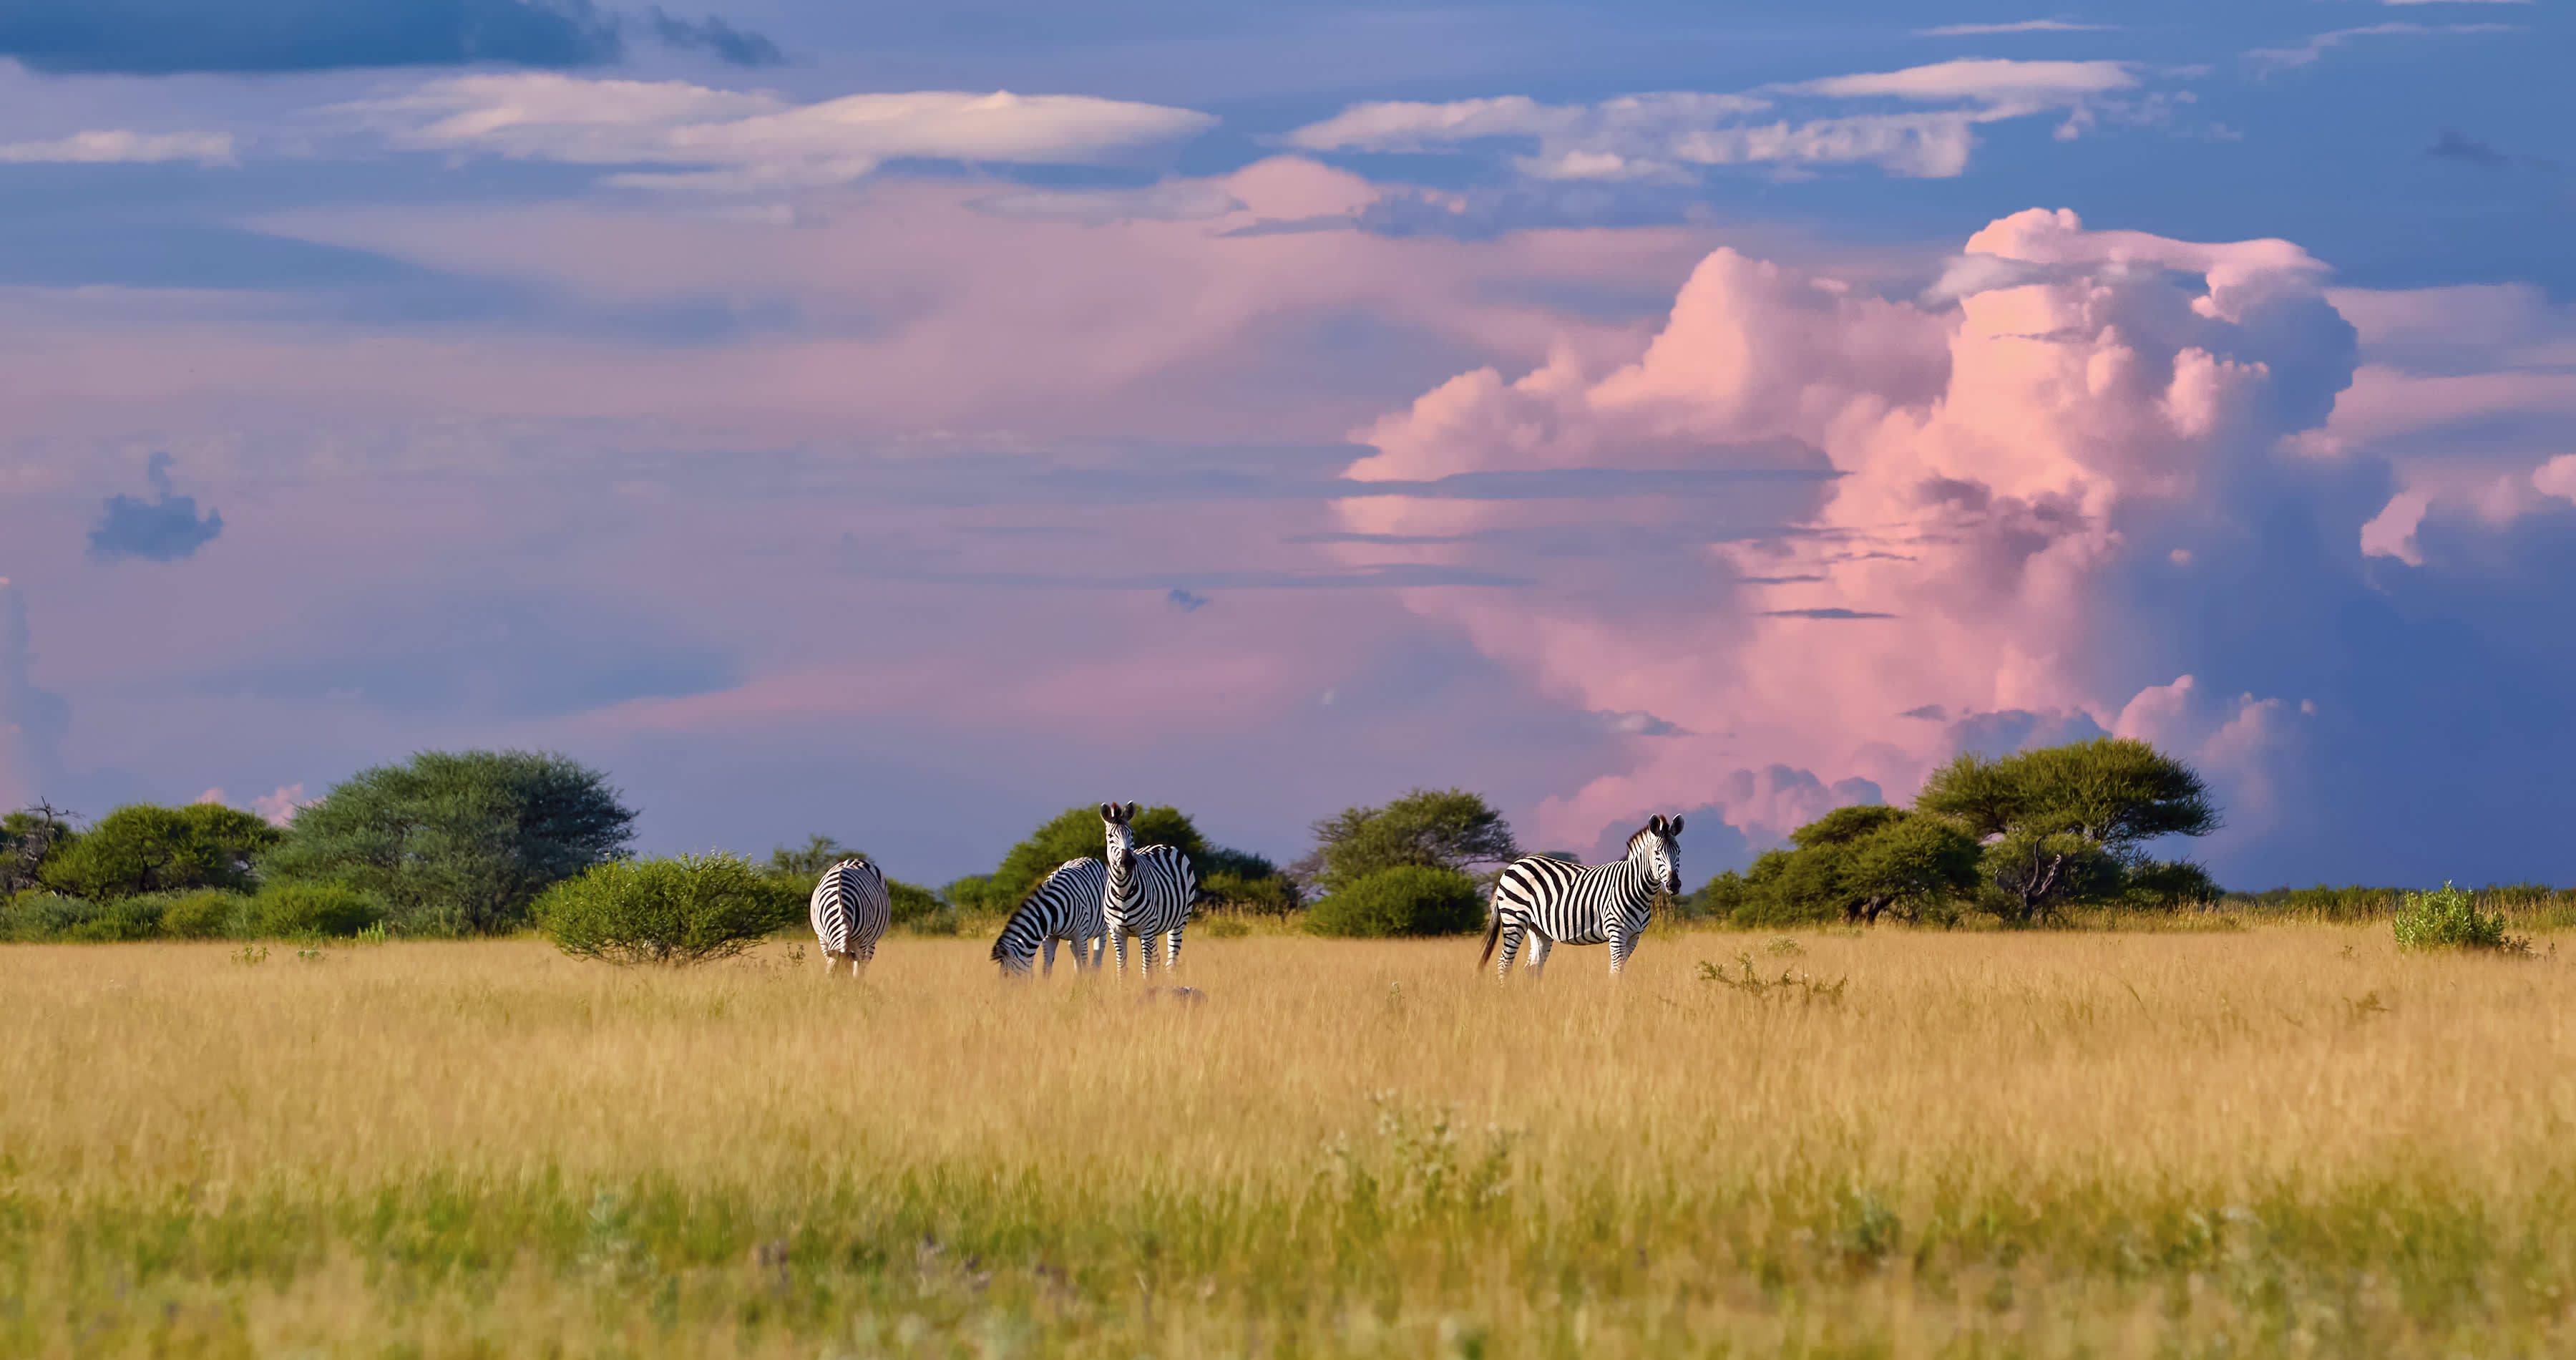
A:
x: 2450, y: 919
x: 1790, y: 985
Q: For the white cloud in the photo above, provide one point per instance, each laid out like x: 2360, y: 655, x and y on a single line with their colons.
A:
x: 2308, y: 53
x: 111, y: 147
x: 735, y: 141
x: 2022, y: 26
x: 279, y: 807
x: 1670, y: 135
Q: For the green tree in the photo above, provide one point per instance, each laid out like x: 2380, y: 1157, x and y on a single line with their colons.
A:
x: 2067, y: 825
x: 458, y: 842
x: 1075, y: 833
x: 145, y: 848
x: 27, y: 836
x: 1429, y: 828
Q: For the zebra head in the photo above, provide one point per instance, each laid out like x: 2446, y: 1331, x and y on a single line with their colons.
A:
x: 1657, y: 853
x: 1117, y: 822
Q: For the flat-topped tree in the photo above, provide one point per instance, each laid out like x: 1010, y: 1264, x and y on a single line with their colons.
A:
x: 2069, y: 824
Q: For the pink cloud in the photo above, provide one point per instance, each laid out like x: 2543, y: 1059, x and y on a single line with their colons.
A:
x: 1990, y: 459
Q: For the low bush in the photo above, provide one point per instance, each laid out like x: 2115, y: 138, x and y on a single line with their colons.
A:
x: 917, y: 908
x: 36, y: 917
x: 684, y: 910
x: 211, y: 915
x: 1409, y: 899
x: 2450, y: 919
x: 325, y: 907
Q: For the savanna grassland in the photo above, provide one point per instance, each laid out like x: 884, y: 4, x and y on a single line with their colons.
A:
x: 2285, y: 1140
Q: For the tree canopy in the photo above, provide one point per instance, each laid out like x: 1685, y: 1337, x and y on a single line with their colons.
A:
x: 1427, y: 828
x: 2069, y: 824
x: 1075, y: 834
x: 459, y: 842
x: 145, y: 848
x: 1855, y: 863
x: 27, y: 836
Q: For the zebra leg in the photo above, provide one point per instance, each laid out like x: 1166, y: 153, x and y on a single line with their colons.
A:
x: 1539, y: 947
x: 1118, y: 946
x: 1511, y: 949
x: 1172, y: 961
x: 859, y: 961
x: 1622, y: 944
x: 1050, y: 957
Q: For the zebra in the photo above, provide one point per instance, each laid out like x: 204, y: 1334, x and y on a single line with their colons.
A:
x: 850, y: 912
x: 1065, y: 906
x: 1149, y: 892
x: 1561, y: 903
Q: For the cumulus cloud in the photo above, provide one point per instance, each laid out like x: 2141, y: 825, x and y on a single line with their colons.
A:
x: 1673, y: 135
x: 2041, y: 437
x: 33, y: 723
x: 165, y: 528
x: 2315, y: 48
x: 120, y: 146
x: 143, y: 37
x: 732, y: 141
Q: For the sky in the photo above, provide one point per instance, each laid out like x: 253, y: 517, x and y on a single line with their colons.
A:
x: 903, y: 422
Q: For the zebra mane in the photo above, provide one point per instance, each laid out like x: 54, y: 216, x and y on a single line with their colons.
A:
x: 1641, y: 833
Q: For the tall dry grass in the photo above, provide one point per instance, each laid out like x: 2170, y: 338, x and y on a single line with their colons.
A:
x: 2289, y: 1139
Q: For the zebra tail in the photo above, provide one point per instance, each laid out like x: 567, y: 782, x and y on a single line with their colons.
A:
x: 1493, y: 933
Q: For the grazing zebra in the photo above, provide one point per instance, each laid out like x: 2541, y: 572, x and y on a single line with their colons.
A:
x: 850, y: 912
x: 1065, y: 906
x: 1561, y: 903
x: 1149, y: 892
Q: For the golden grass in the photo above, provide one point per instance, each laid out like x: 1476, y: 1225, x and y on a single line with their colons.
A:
x: 2290, y: 1139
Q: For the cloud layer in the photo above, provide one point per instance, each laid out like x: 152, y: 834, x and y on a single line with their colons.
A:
x: 147, y: 38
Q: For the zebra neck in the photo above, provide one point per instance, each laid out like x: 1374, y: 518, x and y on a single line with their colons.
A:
x: 1636, y: 885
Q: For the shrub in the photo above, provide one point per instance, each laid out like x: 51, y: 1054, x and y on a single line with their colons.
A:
x: 2450, y: 919
x: 918, y: 908
x: 34, y: 917
x: 206, y: 915
x: 675, y: 912
x: 1271, y: 895
x: 325, y: 907
x: 1410, y: 899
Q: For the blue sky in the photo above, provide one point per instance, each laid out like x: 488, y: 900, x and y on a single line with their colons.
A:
x: 745, y: 399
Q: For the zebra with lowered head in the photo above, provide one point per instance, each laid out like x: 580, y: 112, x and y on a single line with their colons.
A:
x: 1065, y: 906
x: 850, y: 912
x: 1555, y: 903
x: 1149, y: 892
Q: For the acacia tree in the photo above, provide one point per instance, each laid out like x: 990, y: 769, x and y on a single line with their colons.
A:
x: 1429, y: 828
x: 27, y: 837
x: 458, y: 842
x: 145, y: 848
x: 2068, y: 824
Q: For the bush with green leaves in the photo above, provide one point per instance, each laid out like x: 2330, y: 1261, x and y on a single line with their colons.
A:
x: 797, y: 871
x: 2067, y: 825
x: 1409, y: 899
x: 2450, y: 919
x: 210, y: 915
x: 41, y: 917
x: 682, y: 910
x: 296, y: 909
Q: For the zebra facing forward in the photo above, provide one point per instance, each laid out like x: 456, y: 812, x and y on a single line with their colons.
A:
x: 1065, y: 906
x: 851, y: 912
x: 1149, y: 892
x: 1559, y: 903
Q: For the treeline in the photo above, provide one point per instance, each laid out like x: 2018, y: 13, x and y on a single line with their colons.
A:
x: 452, y: 844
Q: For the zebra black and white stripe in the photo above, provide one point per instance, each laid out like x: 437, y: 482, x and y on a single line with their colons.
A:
x: 1555, y: 903
x: 1149, y: 892
x: 850, y: 912
x: 1065, y: 906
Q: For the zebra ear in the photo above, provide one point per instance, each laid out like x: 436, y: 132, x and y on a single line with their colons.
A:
x: 1131, y: 813
x: 1675, y: 829
x: 1109, y: 812
x: 1656, y: 824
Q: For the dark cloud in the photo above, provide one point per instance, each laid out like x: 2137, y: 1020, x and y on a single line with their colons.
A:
x: 2453, y: 146
x: 1186, y: 601
x: 160, y: 37
x: 165, y: 528
x: 1637, y: 723
x: 1928, y: 712
x: 715, y: 37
